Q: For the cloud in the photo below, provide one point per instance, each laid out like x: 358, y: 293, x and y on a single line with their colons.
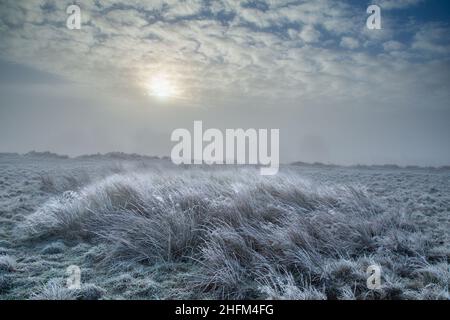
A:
x: 309, y: 34
x: 398, y: 4
x: 349, y: 43
x: 393, y: 45
x: 433, y: 38
x: 223, y: 50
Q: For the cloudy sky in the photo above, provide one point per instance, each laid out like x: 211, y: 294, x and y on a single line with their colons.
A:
x: 136, y: 70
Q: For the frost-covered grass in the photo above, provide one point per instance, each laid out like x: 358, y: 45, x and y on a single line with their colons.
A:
x: 152, y: 232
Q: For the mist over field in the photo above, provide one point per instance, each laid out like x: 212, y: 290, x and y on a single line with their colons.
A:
x: 142, y: 228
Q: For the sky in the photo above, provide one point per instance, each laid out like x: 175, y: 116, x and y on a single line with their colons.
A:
x: 136, y: 70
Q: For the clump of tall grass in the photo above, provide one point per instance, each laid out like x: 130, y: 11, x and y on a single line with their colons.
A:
x: 56, y: 290
x: 245, y: 235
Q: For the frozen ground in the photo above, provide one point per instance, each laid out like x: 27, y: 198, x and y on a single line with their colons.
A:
x: 143, y: 229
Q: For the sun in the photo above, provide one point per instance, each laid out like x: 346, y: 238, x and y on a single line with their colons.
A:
x: 162, y: 86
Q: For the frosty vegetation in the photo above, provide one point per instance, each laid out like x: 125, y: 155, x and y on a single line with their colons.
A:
x: 144, y: 229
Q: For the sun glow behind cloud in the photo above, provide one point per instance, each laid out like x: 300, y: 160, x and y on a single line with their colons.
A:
x: 163, y: 86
